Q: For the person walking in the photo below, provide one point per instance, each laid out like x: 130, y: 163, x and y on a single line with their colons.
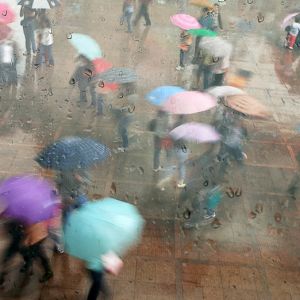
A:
x: 217, y: 23
x: 186, y: 41
x: 143, y: 12
x: 28, y: 23
x: 293, y: 33
x: 127, y: 12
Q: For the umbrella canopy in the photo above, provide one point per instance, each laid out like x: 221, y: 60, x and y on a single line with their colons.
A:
x: 100, y: 227
x: 189, y: 103
x: 222, y: 91
x: 195, y: 132
x: 5, y: 32
x: 28, y: 198
x: 202, y: 32
x: 86, y: 46
x: 202, y: 3
x: 185, y: 22
x: 247, y: 105
x: 7, y: 14
x: 72, y: 153
x: 44, y: 4
x: 217, y: 46
x: 118, y: 75
x: 288, y: 19
x: 101, y: 65
x: 159, y: 95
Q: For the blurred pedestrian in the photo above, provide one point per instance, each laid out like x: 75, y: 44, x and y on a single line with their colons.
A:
x: 217, y: 19
x: 186, y: 41
x: 33, y: 248
x: 293, y: 33
x: 82, y: 76
x: 45, y: 42
x: 28, y: 23
x: 143, y: 12
x: 127, y: 12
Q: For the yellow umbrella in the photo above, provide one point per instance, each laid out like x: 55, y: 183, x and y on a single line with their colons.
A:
x: 247, y: 105
x: 202, y: 3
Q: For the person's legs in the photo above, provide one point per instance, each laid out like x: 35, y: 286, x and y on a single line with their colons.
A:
x: 31, y: 35
x: 128, y: 19
x: 138, y: 16
x: 50, y: 55
x: 181, y: 159
x: 218, y: 79
x: 181, y: 58
x: 124, y: 135
x: 157, y: 150
x: 100, y: 105
x: 93, y: 94
x: 26, y: 31
x: 146, y: 15
x: 41, y: 54
x: 83, y: 97
x: 291, y: 41
x: 97, y: 278
x: 207, y: 74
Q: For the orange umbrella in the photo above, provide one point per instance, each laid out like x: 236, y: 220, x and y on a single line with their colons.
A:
x: 247, y: 105
x: 202, y: 3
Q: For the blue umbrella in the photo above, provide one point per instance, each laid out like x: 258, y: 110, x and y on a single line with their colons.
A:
x: 72, y: 153
x: 159, y: 95
x: 100, y: 227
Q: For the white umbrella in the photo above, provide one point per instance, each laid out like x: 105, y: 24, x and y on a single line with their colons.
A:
x: 222, y: 91
x: 217, y: 46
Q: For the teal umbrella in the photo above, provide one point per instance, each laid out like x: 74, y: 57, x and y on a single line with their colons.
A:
x: 100, y: 227
x: 85, y: 45
x: 202, y: 32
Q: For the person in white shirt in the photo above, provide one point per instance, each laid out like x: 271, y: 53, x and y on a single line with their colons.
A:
x: 293, y: 33
x: 45, y: 37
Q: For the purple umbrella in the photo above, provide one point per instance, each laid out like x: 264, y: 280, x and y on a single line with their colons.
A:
x: 28, y: 198
x: 195, y: 132
x: 287, y: 19
x: 189, y: 103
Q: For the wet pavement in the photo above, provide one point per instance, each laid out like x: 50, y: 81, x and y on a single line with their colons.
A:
x: 254, y: 251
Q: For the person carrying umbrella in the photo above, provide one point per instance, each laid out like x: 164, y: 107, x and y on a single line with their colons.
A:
x: 293, y: 33
x: 28, y: 24
x: 143, y: 12
x: 127, y: 12
x: 186, y: 41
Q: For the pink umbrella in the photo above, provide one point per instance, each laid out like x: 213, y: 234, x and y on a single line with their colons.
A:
x: 189, y: 103
x: 5, y: 32
x: 185, y: 22
x: 287, y: 19
x: 7, y: 15
x: 195, y: 132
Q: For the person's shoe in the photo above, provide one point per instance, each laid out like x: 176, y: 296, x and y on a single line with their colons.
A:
x: 179, y: 68
x: 46, y: 276
x: 59, y: 249
x: 122, y: 149
x: 181, y: 185
x: 291, y: 48
x: 158, y: 169
x: 244, y: 155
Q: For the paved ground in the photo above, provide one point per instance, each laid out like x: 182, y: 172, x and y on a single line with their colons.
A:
x: 254, y: 254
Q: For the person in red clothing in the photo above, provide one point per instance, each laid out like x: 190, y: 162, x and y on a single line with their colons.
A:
x: 143, y: 12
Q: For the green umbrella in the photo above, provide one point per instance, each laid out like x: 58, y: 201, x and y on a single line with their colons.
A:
x: 202, y: 32
x: 100, y: 227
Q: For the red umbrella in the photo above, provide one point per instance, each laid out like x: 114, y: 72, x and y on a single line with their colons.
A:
x: 7, y: 15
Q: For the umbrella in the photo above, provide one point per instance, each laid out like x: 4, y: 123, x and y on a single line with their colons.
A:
x: 5, y: 32
x: 44, y: 4
x: 101, y: 227
x: 222, y: 91
x: 288, y: 18
x: 72, y: 153
x: 189, y: 103
x: 202, y: 32
x: 159, y: 95
x: 7, y: 15
x: 217, y: 46
x: 28, y: 198
x: 202, y: 3
x: 185, y: 22
x: 247, y: 105
x: 86, y: 46
x: 118, y: 75
x: 195, y: 132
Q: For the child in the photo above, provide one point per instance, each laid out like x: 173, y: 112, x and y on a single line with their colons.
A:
x: 128, y: 10
x: 186, y: 41
x: 45, y: 38
x: 293, y: 33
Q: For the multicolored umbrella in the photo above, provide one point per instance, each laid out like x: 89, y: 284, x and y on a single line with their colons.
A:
x: 5, y: 32
x: 202, y: 3
x: 100, y: 227
x: 189, y: 103
x: 202, y: 32
x: 118, y: 75
x: 185, y: 22
x: 159, y: 95
x: 28, y: 198
x: 247, y: 105
x: 7, y: 14
x: 86, y: 46
x: 195, y: 132
x: 288, y: 18
x: 222, y: 91
x: 72, y: 153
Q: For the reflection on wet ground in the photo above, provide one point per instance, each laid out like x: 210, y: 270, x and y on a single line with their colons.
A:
x: 251, y: 251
